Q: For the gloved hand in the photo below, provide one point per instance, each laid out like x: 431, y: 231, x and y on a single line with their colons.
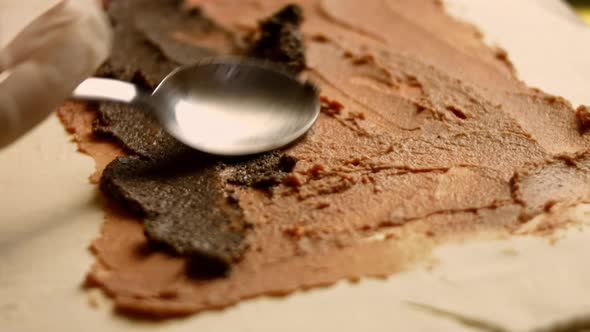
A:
x: 47, y: 60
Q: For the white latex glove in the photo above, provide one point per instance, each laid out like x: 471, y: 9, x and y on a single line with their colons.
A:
x: 47, y: 60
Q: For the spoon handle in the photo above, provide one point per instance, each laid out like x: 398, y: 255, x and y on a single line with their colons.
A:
x: 105, y: 89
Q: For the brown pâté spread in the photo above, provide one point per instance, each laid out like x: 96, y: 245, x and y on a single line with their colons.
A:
x: 426, y: 136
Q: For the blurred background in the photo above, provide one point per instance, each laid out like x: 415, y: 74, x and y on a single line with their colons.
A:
x: 582, y: 7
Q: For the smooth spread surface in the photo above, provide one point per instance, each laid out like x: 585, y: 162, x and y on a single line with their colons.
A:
x: 432, y: 128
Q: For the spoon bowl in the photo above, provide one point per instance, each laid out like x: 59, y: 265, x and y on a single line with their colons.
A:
x: 224, y: 106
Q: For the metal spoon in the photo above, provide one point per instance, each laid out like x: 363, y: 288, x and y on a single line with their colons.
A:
x: 225, y: 106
